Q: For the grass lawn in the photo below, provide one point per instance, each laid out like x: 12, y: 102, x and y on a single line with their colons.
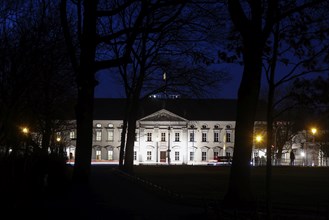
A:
x: 300, y: 186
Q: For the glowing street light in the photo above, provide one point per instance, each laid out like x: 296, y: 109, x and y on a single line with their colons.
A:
x: 313, y: 130
x: 259, y: 138
x: 25, y: 130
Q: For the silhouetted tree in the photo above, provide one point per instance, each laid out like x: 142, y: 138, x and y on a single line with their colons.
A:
x: 160, y: 63
x: 254, y: 22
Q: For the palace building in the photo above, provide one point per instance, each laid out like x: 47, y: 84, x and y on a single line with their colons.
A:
x: 175, y: 131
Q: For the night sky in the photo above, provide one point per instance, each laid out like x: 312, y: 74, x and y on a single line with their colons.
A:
x: 108, y: 87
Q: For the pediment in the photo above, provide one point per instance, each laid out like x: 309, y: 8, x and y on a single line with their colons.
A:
x: 163, y: 115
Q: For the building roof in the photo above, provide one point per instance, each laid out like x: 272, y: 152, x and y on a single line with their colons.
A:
x: 190, y: 109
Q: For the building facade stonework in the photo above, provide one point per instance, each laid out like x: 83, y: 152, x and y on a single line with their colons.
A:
x: 163, y: 136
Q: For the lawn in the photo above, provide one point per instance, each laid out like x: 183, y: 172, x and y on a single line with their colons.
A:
x: 300, y: 186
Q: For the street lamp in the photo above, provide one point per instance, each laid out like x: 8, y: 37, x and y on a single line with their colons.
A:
x: 259, y: 138
x: 313, y: 130
x: 168, y: 145
x: 25, y: 131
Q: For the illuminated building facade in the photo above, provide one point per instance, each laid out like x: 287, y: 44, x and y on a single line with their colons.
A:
x: 175, y: 131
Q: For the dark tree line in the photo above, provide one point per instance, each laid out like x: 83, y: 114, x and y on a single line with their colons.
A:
x: 36, y: 85
x: 152, y: 47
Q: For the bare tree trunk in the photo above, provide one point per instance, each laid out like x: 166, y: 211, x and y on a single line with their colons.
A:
x: 123, y: 142
x: 129, y: 156
x: 270, y: 104
x: 239, y: 191
x: 85, y: 103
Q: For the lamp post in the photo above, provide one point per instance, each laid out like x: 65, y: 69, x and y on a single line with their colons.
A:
x: 259, y: 139
x: 313, y: 130
x: 25, y: 132
x: 60, y: 149
x: 168, y: 145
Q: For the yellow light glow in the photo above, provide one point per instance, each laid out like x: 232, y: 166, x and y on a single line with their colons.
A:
x: 313, y: 130
x: 25, y: 130
x: 259, y: 138
x: 58, y: 139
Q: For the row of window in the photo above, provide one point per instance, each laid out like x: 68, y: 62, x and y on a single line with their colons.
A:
x: 192, y: 126
x: 204, y: 136
x: 149, y: 155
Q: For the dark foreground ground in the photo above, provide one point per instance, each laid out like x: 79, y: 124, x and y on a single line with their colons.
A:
x: 173, y: 193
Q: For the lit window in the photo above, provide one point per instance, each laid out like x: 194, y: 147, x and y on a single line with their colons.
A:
x: 149, y: 136
x: 98, y: 125
x: 110, y: 125
x: 204, y: 156
x: 72, y: 135
x: 149, y: 155
x: 98, y: 135
x: 215, y: 155
x: 110, y: 155
x: 176, y: 155
x: 191, y: 136
x: 204, y: 137
x: 163, y: 136
x: 191, y: 156
x: 110, y: 135
x: 216, y: 136
x: 176, y: 137
x: 228, y: 136
x: 98, y: 155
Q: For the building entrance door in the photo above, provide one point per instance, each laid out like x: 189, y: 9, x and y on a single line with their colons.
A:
x: 163, y: 155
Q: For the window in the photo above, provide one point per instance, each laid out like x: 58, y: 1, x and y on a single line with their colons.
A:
x: 110, y: 125
x: 228, y: 154
x: 72, y: 135
x: 98, y: 125
x: 191, y: 156
x: 163, y: 136
x: 204, y: 137
x: 98, y: 135
x: 228, y: 136
x: 215, y: 155
x: 204, y: 156
x: 176, y: 155
x: 110, y: 135
x: 204, y: 126
x: 216, y: 136
x: 135, y: 155
x: 216, y: 127
x: 98, y: 155
x: 192, y: 136
x: 149, y: 155
x: 176, y: 137
x: 149, y: 136
x: 110, y: 155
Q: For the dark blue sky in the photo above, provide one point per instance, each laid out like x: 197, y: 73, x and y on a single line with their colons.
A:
x: 109, y: 88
